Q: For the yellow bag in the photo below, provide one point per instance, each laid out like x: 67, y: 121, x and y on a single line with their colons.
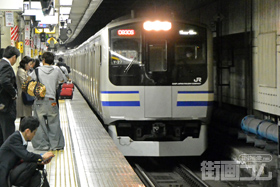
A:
x: 34, y: 88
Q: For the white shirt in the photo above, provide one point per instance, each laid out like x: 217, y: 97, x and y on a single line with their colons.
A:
x: 23, y: 140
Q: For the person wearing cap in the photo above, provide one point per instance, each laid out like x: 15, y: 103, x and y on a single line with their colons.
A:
x: 18, y: 166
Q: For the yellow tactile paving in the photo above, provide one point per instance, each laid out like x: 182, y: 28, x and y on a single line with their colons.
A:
x: 61, y: 171
x: 92, y: 153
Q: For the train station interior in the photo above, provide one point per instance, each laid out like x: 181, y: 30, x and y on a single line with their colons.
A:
x: 167, y: 93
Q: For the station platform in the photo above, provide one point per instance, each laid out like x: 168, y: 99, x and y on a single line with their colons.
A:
x: 90, y: 158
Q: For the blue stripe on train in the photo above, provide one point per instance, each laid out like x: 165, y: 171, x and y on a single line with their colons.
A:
x: 194, y: 103
x: 119, y: 92
x: 120, y: 103
x: 194, y: 92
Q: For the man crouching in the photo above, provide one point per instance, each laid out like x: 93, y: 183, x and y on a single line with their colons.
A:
x: 17, y: 165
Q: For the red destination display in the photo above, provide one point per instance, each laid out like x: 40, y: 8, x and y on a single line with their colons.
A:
x: 126, y: 32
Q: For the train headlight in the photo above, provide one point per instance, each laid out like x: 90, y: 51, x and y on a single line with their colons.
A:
x: 157, y: 25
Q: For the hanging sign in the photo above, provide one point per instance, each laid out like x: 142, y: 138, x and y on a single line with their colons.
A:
x: 27, y: 51
x: 35, y: 39
x: 9, y: 18
x: 27, y: 32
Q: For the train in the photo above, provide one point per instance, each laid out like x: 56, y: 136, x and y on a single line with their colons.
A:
x: 151, y: 82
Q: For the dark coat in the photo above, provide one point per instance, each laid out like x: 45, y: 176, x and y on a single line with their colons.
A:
x: 11, y: 152
x: 8, y: 87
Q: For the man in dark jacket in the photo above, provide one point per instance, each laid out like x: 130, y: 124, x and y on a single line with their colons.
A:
x: 8, y: 93
x: 17, y: 161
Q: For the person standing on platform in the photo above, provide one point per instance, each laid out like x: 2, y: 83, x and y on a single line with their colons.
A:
x: 12, y: 169
x: 62, y: 67
x: 49, y: 134
x: 36, y: 63
x: 24, y: 66
x: 8, y: 93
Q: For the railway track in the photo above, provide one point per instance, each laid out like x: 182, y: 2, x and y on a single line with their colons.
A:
x: 179, y: 176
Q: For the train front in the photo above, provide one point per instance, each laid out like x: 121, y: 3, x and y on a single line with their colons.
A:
x: 159, y: 94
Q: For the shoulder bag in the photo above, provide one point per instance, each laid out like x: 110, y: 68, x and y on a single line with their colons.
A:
x: 27, y: 99
x: 34, y: 88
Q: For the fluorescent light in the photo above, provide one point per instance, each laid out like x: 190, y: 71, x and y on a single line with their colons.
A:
x: 64, y: 17
x: 34, y: 5
x: 65, y: 10
x: 32, y: 12
x: 49, y: 19
x: 65, y: 2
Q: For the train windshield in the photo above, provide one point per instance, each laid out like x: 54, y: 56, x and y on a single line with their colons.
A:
x: 174, y: 57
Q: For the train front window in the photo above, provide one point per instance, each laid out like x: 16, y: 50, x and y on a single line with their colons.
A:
x: 174, y: 57
x: 125, y: 55
x: 157, y: 56
x: 190, y: 62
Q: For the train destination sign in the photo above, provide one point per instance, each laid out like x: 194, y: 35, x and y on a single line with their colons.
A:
x: 126, y: 32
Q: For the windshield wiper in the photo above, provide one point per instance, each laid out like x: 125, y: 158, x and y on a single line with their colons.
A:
x: 129, y: 65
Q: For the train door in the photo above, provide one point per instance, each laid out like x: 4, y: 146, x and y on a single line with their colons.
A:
x: 158, y: 96
x: 87, y: 75
x: 97, y: 74
x: 92, y: 76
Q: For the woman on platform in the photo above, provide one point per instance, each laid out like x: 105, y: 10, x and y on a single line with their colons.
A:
x: 24, y: 66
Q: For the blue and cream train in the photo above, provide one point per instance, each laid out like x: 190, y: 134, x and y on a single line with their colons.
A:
x: 150, y: 82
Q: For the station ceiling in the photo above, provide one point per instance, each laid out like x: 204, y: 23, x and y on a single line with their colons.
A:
x: 109, y: 10
x: 87, y: 23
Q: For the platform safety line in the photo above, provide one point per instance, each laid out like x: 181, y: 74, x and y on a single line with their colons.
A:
x: 55, y: 167
x: 68, y: 150
x: 65, y: 156
x: 63, y: 161
x: 59, y: 170
x: 70, y: 157
x: 69, y: 145
x: 66, y: 161
x: 56, y: 173
x: 49, y: 171
x: 83, y: 180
